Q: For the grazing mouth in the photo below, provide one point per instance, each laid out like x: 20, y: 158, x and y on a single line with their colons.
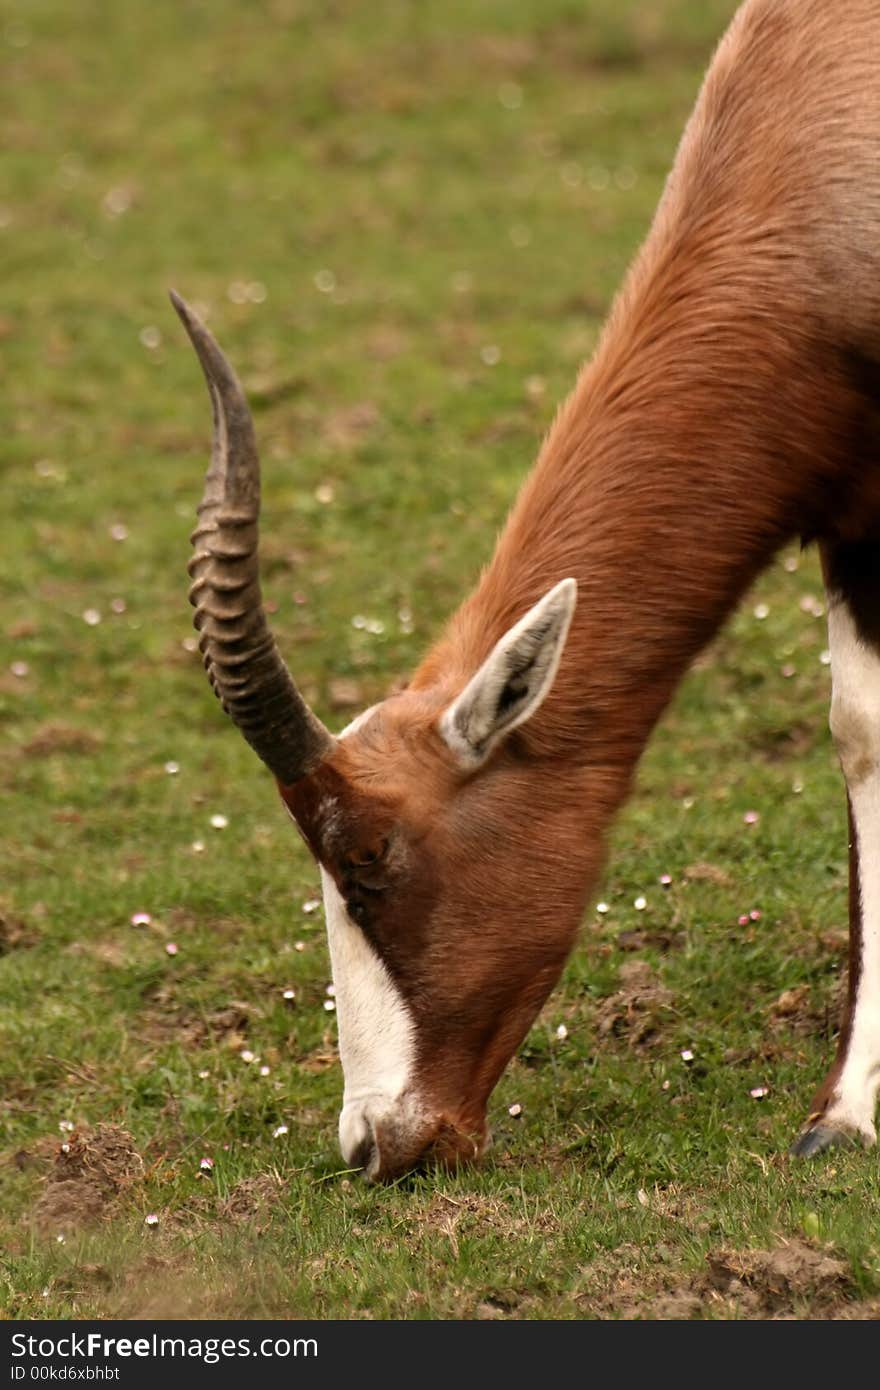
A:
x: 388, y: 1150
x: 449, y: 1147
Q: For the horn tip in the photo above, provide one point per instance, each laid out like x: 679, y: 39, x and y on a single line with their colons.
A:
x: 214, y: 364
x: 189, y: 320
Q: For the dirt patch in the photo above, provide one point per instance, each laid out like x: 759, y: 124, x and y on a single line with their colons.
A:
x: 798, y: 1011
x: 166, y: 1022
x: 92, y: 1171
x: 253, y: 1200
x: 472, y: 1213
x: 638, y: 1011
x: 387, y: 342
x: 344, y: 428
x: 319, y: 1059
x: 704, y: 872
x: 771, y: 1283
x: 15, y: 934
x: 60, y: 738
x: 791, y: 1280
x: 639, y: 938
x: 37, y: 1157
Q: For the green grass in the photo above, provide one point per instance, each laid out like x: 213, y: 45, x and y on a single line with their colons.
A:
x: 404, y: 185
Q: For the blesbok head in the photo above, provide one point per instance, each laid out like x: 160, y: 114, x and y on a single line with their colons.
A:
x: 453, y: 877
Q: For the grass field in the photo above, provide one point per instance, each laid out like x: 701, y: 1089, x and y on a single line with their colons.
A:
x: 406, y: 223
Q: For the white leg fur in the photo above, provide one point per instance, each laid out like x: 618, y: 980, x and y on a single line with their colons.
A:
x: 855, y: 726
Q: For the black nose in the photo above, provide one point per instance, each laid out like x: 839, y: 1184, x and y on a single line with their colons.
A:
x: 364, y: 1153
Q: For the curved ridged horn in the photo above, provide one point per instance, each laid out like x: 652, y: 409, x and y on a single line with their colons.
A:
x: 243, y: 663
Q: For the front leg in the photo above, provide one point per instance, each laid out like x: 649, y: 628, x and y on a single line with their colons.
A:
x: 844, y: 1106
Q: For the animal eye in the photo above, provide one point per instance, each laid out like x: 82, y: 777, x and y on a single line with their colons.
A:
x: 366, y: 855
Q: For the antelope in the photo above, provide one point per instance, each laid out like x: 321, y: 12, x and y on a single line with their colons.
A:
x: 732, y: 405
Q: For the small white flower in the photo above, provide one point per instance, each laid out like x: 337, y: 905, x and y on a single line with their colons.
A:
x: 279, y: 1130
x: 151, y: 1219
x: 687, y: 1055
x: 562, y: 1032
x: 640, y: 904
x: 514, y: 1110
x: 329, y: 1005
x: 247, y: 1056
x: 172, y: 768
x: 219, y: 822
x: 91, y: 617
x: 116, y: 201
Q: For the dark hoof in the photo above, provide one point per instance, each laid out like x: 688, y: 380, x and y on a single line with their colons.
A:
x: 818, y: 1139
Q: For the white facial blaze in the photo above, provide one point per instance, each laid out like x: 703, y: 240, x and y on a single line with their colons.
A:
x: 376, y: 1029
x: 855, y: 724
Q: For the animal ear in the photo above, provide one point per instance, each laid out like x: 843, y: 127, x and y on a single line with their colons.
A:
x: 513, y: 680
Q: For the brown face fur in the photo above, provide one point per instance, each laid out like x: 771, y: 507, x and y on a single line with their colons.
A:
x: 468, y: 888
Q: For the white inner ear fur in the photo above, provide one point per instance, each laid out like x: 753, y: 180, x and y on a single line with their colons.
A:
x: 513, y: 681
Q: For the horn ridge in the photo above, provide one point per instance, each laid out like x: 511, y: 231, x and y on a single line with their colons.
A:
x: 244, y: 666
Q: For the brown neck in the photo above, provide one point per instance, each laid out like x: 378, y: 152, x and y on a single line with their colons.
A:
x: 703, y: 435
